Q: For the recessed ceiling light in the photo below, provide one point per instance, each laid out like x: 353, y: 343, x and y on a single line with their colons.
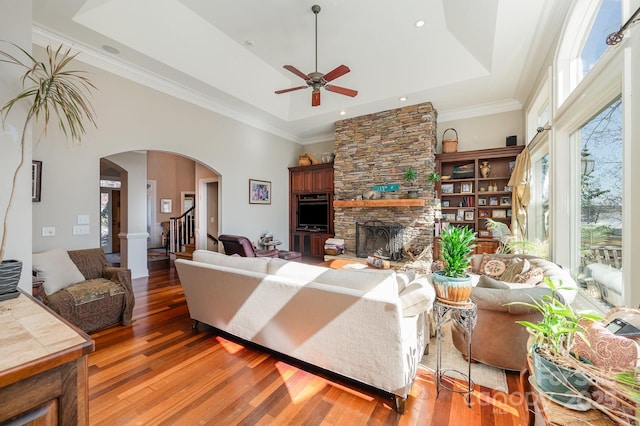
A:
x: 419, y: 23
x: 343, y: 112
x: 110, y: 49
x: 402, y: 98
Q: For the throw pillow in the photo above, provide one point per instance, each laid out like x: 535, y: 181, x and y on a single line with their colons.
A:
x: 486, y: 281
x: 532, y: 276
x: 57, y: 270
x: 404, y: 278
x: 494, y: 268
x: 417, y: 297
x: 605, y: 349
x: 515, y: 268
x: 492, y: 265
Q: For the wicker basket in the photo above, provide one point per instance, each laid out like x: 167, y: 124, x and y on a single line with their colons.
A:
x: 450, y: 145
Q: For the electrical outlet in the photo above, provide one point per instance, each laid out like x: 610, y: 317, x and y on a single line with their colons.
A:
x: 83, y: 219
x: 48, y: 231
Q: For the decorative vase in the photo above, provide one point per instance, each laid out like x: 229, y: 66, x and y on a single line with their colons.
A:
x: 413, y: 194
x: 485, y: 169
x: 452, y: 290
x: 10, y: 271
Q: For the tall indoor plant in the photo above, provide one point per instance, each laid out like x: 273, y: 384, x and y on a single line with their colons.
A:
x: 453, y: 283
x: 49, y: 88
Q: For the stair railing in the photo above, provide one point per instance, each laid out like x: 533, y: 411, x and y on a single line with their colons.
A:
x: 182, y: 230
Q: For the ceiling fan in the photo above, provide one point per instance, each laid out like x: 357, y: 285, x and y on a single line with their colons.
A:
x: 316, y: 80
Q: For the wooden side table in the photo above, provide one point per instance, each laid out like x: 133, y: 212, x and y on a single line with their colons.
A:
x: 43, y: 370
x: 465, y: 315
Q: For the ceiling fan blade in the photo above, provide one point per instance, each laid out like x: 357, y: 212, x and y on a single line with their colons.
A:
x: 338, y: 72
x: 296, y: 71
x: 315, y: 98
x: 341, y: 90
x: 291, y: 89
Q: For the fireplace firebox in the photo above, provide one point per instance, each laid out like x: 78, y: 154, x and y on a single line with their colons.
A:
x: 381, y: 239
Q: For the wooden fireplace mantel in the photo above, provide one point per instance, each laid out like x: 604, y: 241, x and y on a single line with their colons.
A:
x: 403, y: 202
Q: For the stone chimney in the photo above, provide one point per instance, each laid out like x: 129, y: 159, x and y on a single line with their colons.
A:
x: 376, y: 149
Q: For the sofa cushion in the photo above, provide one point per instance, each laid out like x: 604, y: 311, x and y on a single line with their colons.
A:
x: 516, y: 267
x: 486, y: 281
x: 253, y: 264
x: 417, y: 297
x: 57, y: 270
x: 493, y: 265
x: 95, y: 289
x: 607, y: 276
x: 404, y: 278
x: 533, y: 276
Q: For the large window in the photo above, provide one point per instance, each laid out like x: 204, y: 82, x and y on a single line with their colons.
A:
x: 608, y: 20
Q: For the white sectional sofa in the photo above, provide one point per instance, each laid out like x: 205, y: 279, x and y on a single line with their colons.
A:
x: 366, y: 325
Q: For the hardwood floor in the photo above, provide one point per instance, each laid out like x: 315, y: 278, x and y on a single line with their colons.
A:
x: 160, y: 371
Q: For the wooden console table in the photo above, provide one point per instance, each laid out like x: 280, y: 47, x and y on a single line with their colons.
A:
x: 43, y: 366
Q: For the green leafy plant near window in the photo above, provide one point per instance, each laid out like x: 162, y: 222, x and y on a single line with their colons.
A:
x: 49, y: 89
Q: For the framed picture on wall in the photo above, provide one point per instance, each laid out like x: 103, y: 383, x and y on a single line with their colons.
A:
x: 165, y: 205
x: 447, y: 188
x: 259, y: 191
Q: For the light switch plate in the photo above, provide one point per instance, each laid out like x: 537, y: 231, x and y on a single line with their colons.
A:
x: 81, y: 230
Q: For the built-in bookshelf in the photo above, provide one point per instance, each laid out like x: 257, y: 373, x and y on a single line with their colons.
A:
x: 467, y: 197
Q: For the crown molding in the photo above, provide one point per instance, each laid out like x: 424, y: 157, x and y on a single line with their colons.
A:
x: 479, y: 110
x: 91, y: 56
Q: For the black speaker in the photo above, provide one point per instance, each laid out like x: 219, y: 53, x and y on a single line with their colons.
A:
x: 512, y: 140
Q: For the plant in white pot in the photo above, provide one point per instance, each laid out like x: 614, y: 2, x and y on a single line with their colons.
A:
x: 453, y: 282
x: 49, y: 89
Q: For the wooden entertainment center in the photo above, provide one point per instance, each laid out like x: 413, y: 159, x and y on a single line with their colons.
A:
x: 310, y: 208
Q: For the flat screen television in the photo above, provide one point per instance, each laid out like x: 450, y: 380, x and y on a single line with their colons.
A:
x: 313, y: 214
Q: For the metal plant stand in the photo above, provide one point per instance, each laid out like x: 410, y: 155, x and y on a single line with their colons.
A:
x: 465, y: 315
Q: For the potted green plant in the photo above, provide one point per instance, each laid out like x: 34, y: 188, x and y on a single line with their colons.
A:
x: 453, y: 282
x: 410, y: 176
x: 552, y: 339
x: 49, y: 89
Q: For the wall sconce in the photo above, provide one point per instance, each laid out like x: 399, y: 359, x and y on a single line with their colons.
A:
x: 588, y: 164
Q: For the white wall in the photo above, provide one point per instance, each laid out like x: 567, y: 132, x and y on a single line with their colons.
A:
x: 132, y: 117
x: 15, y: 27
x: 489, y: 131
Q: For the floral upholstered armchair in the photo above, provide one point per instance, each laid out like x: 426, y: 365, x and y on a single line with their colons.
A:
x: 83, y: 288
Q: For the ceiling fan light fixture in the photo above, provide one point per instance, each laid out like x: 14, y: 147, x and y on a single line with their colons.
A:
x: 317, y: 80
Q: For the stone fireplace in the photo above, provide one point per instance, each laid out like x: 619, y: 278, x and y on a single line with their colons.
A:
x: 376, y: 149
x: 381, y: 239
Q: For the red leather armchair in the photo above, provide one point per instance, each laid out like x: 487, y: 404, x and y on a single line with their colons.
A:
x: 236, y: 244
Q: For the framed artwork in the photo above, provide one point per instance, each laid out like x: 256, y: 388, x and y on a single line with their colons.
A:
x: 449, y: 217
x: 483, y: 233
x: 466, y: 188
x: 36, y: 180
x: 165, y: 205
x: 499, y: 213
x: 447, y: 188
x: 493, y: 201
x: 445, y: 203
x: 460, y: 216
x: 505, y: 201
x: 259, y: 191
x: 468, y: 215
x: 482, y: 201
x: 484, y: 213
